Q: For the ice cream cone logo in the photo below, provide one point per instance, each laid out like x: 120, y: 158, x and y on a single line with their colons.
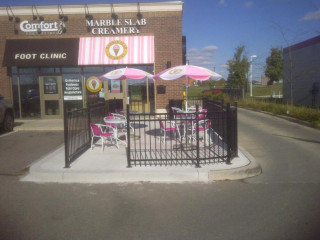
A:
x: 175, y: 71
x: 116, y: 50
x: 93, y: 84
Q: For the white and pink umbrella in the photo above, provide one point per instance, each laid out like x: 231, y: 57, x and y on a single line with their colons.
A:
x: 126, y: 73
x: 187, y: 71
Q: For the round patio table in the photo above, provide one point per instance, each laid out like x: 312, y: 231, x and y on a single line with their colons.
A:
x: 116, y: 122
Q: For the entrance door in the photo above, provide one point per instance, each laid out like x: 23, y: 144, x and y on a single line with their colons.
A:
x: 51, y: 96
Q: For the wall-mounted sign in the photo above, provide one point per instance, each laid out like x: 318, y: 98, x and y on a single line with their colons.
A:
x: 41, y: 52
x: 72, y: 88
x: 116, y: 50
x: 93, y: 84
x: 116, y: 27
x: 42, y: 27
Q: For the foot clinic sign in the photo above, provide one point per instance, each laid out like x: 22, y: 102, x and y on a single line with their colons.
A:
x: 41, y: 52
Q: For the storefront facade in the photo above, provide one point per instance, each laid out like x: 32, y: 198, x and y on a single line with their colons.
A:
x: 52, y: 56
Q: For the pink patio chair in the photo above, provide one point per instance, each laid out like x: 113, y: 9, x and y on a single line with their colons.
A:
x: 172, y: 127
x: 108, y: 133
x: 203, y: 114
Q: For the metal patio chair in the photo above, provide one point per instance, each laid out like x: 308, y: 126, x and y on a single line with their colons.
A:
x: 103, y: 132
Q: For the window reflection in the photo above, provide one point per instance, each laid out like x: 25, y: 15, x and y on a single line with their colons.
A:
x: 30, y: 99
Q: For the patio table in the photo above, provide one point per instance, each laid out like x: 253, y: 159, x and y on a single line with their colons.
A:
x: 117, y: 122
x: 184, y: 121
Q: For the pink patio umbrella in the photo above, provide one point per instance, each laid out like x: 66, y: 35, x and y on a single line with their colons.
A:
x: 126, y: 73
x: 187, y: 71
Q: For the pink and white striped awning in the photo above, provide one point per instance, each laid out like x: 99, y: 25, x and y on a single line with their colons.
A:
x: 116, y: 50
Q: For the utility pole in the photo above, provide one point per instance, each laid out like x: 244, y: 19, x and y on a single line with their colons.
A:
x: 250, y: 76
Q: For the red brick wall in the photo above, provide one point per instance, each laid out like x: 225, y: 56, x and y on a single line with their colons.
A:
x: 165, y: 26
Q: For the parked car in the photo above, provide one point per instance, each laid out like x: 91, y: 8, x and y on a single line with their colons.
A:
x: 6, y: 115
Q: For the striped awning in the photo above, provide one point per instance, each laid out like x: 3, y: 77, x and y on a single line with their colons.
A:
x: 116, y: 50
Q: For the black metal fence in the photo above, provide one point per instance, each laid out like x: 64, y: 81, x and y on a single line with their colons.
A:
x: 186, y: 139
x: 77, y: 133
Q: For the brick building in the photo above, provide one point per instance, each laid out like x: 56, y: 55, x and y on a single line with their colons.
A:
x: 51, y: 56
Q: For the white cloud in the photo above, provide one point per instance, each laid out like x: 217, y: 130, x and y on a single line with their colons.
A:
x: 203, y: 57
x: 248, y: 4
x: 311, y: 16
x: 222, y: 3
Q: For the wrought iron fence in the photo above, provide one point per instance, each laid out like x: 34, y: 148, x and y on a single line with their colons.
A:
x: 186, y: 139
x: 77, y: 133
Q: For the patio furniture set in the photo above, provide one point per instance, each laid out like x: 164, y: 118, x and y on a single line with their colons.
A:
x: 183, y: 125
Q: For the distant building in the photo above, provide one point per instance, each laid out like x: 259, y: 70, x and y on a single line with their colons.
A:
x: 301, y: 65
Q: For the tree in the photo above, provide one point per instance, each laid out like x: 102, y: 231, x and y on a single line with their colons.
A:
x: 238, y: 68
x: 274, y: 68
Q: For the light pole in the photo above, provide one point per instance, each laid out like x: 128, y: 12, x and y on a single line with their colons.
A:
x: 251, y: 59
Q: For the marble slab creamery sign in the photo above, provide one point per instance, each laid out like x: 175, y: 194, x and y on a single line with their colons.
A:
x: 125, y: 26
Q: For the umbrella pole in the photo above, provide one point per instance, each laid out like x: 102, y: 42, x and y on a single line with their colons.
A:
x: 187, y: 94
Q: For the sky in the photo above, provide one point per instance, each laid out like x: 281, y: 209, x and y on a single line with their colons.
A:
x: 215, y: 28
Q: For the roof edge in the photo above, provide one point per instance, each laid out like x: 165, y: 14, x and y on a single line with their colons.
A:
x: 95, y: 8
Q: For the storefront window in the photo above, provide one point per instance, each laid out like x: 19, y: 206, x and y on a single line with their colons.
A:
x: 49, y: 70
x: 30, y: 99
x: 71, y: 70
x: 93, y: 70
x: 28, y: 70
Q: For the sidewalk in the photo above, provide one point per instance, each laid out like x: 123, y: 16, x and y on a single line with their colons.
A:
x: 110, y: 165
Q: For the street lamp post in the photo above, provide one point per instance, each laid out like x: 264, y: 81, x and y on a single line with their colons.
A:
x: 251, y: 59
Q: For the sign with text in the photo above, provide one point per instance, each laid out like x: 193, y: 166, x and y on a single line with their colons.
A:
x: 119, y: 26
x: 42, y: 27
x: 72, y: 88
x: 41, y: 52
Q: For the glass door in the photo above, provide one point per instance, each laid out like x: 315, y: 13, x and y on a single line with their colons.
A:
x: 51, y: 96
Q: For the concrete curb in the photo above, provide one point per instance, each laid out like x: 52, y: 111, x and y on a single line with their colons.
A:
x: 50, y: 169
x: 251, y: 170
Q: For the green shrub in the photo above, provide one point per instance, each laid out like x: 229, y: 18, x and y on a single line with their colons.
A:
x: 303, y: 113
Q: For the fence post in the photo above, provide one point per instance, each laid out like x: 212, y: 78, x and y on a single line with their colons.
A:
x: 66, y: 142
x: 197, y: 134
x: 228, y: 135
x: 128, y: 138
